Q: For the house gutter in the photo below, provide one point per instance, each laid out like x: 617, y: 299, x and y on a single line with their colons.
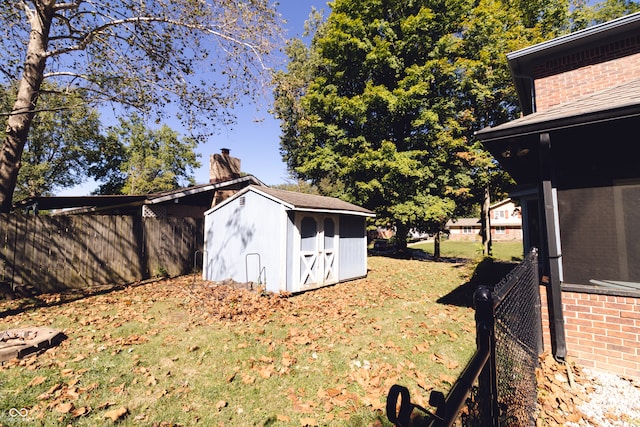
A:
x: 333, y: 211
x: 538, y: 127
x: 553, y: 259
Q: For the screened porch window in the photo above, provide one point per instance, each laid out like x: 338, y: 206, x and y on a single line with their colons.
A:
x: 600, y: 235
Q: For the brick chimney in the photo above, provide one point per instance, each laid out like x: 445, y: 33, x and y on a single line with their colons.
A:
x: 223, y: 167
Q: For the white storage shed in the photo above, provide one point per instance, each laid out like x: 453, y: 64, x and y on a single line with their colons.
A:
x: 284, y: 240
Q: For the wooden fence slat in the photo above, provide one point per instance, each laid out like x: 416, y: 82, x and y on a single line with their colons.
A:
x: 53, y: 253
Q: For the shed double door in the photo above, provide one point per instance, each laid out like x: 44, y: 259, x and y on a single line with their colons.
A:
x: 318, y: 259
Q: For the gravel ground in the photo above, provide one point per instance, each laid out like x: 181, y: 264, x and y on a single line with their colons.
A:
x: 612, y: 401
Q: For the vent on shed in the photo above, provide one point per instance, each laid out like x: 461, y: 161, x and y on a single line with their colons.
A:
x: 242, y: 201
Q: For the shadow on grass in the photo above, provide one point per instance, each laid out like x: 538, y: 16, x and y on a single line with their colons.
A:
x: 488, y: 273
x: 416, y: 254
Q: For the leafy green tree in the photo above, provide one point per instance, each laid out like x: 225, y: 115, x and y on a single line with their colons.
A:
x: 64, y: 139
x: 384, y: 102
x: 201, y: 56
x: 373, y: 108
x: 143, y: 160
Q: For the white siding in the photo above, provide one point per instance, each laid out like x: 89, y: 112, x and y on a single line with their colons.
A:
x: 353, y: 248
x: 243, y: 227
x: 251, y: 237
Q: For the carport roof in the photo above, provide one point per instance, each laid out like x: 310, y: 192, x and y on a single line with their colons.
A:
x: 200, y: 194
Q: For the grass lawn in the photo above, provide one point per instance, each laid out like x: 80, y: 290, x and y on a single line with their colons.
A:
x: 505, y: 251
x: 183, y: 352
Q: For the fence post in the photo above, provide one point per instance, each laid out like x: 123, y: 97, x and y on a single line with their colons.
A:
x: 487, y: 380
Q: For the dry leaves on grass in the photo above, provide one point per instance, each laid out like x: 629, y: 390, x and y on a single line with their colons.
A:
x: 308, y: 318
x: 562, y: 388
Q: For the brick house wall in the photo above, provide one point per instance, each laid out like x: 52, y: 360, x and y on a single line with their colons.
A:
x: 586, y: 71
x: 602, y: 331
x: 602, y: 328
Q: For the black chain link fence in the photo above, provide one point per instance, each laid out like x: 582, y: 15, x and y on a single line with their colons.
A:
x: 518, y: 335
x: 498, y: 387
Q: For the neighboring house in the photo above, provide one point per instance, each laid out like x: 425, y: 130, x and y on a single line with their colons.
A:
x: 464, y: 229
x: 574, y: 155
x: 285, y: 241
x: 505, y: 221
x: 188, y: 202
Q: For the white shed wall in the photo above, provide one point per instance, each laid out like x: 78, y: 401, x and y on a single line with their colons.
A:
x: 353, y: 247
x: 234, y: 230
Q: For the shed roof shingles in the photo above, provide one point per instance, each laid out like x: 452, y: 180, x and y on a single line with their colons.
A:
x: 311, y: 201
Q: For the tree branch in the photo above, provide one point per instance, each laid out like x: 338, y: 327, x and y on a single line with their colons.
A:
x: 40, y: 110
x: 89, y: 36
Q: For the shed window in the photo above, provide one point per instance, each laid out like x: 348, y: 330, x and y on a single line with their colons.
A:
x: 308, y: 234
x: 329, y: 233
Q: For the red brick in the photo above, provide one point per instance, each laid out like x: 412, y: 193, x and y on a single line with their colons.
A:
x: 591, y: 330
x: 622, y: 335
x: 619, y: 306
x: 593, y: 317
x: 576, y: 308
x: 630, y: 314
x: 592, y: 303
x: 632, y: 329
x: 621, y: 348
x: 609, y: 340
x: 609, y: 312
x: 617, y: 321
x: 570, y: 327
x: 600, y: 357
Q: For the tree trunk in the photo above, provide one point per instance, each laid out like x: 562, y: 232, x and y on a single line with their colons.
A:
x: 19, y: 122
x: 486, y: 223
x: 436, y: 245
x: 402, y: 231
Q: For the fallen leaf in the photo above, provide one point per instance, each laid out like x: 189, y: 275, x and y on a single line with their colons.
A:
x: 80, y: 411
x: 36, y: 381
x: 64, y: 408
x: 115, y: 414
x: 221, y: 404
x: 332, y: 392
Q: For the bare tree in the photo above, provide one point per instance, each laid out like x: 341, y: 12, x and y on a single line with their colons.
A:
x: 191, y: 58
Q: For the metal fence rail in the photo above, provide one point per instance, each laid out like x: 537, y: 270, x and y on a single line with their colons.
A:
x: 498, y: 386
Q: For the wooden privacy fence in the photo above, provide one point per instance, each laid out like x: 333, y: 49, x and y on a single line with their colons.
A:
x: 53, y: 253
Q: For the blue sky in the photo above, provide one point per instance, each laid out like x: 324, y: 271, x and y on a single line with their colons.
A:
x: 255, y: 138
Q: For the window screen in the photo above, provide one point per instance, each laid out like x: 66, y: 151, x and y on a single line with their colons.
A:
x: 600, y: 234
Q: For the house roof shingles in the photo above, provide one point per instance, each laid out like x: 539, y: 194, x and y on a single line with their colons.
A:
x: 621, y: 101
